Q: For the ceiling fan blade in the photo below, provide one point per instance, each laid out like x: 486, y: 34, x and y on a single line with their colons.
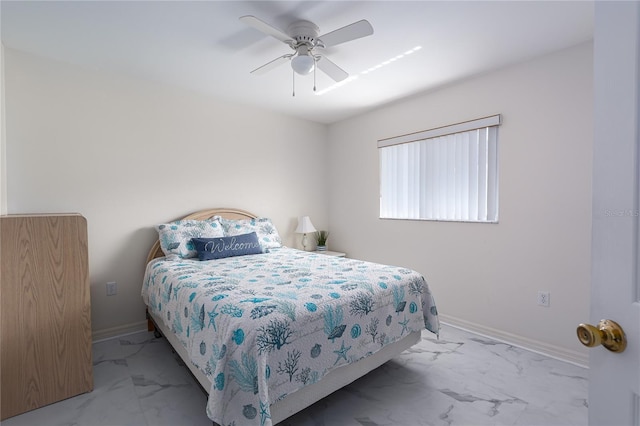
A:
x: 331, y: 69
x: 351, y: 32
x: 272, y: 64
x: 262, y: 26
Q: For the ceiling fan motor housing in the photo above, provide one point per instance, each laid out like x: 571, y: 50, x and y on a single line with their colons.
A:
x: 304, y: 32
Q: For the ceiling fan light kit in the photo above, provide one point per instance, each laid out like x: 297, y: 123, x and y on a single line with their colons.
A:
x: 302, y: 37
x: 303, y: 63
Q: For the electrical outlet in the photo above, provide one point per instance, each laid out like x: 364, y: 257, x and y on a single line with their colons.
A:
x: 112, y: 288
x: 544, y: 298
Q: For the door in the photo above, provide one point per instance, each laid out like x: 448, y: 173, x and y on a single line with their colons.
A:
x: 614, y: 384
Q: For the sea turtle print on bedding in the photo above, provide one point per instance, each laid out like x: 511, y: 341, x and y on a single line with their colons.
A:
x: 265, y: 325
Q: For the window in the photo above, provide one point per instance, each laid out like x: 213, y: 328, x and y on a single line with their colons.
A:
x: 449, y: 173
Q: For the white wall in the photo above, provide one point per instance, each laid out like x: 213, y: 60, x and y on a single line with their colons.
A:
x: 114, y: 149
x: 486, y: 277
x: 129, y: 154
x: 3, y: 145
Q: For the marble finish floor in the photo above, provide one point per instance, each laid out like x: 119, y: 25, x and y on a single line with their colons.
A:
x: 462, y: 379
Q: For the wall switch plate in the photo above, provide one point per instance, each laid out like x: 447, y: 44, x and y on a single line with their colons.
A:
x: 544, y: 298
x: 112, y: 288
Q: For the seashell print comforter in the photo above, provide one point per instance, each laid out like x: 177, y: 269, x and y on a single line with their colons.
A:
x: 263, y: 326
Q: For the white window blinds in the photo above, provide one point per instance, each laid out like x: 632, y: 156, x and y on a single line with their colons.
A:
x: 448, y: 173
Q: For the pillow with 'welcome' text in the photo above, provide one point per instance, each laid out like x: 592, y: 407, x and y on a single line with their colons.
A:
x: 221, y: 247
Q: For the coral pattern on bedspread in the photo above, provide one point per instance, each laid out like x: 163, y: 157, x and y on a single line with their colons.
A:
x: 263, y: 326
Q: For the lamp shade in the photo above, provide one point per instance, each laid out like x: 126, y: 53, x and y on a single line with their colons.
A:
x: 304, y: 225
x: 303, y: 64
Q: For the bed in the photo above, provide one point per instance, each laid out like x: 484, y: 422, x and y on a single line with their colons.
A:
x: 270, y: 332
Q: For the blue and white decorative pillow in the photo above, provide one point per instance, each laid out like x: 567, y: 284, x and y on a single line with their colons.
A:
x: 221, y: 247
x: 175, y: 237
x: 262, y: 226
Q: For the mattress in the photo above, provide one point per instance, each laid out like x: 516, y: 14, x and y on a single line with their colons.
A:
x: 264, y: 326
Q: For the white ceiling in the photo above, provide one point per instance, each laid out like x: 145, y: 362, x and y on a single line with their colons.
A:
x: 204, y: 47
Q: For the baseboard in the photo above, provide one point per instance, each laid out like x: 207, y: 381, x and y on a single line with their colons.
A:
x: 567, y: 355
x: 573, y: 357
x: 122, y: 330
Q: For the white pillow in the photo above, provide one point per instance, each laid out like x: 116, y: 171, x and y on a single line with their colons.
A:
x: 175, y: 237
x: 267, y: 233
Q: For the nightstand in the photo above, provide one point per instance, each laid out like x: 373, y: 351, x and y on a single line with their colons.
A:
x: 331, y: 253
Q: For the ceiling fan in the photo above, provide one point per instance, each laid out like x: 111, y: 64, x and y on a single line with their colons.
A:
x: 302, y: 37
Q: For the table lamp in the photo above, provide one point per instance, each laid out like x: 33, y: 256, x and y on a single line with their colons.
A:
x: 304, y: 227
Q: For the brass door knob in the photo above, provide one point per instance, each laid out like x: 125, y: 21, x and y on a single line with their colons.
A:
x: 608, y: 333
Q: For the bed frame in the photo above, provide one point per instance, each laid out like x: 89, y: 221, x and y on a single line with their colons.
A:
x: 308, y: 395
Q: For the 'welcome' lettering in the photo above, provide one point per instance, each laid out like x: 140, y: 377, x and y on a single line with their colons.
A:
x: 219, y: 245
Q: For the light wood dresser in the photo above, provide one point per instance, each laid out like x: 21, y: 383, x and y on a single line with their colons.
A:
x: 45, y: 319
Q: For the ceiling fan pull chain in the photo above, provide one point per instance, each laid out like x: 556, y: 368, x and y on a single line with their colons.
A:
x: 293, y: 82
x: 315, y: 62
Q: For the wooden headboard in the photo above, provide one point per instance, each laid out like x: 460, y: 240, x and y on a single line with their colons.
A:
x: 156, y: 251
